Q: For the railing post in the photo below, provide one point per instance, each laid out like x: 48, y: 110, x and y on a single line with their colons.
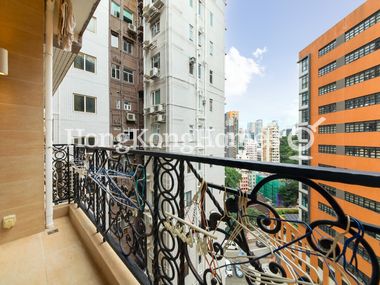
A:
x: 155, y: 218
x: 182, y: 245
x: 68, y: 173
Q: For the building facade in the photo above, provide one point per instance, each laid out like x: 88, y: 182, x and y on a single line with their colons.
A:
x: 126, y: 69
x: 231, y: 119
x: 340, y: 84
x: 81, y: 112
x: 184, y: 84
x: 270, y: 143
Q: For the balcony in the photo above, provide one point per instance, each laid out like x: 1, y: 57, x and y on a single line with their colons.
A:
x: 138, y: 202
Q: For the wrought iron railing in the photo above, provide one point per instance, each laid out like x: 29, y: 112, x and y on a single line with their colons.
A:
x: 139, y: 202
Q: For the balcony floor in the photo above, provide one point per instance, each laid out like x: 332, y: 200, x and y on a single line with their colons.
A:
x: 59, y: 258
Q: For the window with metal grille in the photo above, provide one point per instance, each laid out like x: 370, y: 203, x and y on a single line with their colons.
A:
x: 362, y: 26
x: 327, y: 68
x: 327, y: 88
x: 362, y: 76
x: 330, y: 108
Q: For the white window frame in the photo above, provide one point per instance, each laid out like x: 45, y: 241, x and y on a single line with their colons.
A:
x: 117, y: 71
x: 155, y: 28
x: 154, y: 97
x: 129, y: 73
x: 191, y: 32
x: 113, y: 39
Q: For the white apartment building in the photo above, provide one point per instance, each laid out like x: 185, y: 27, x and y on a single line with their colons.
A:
x: 270, y: 143
x: 81, y: 102
x: 184, y: 83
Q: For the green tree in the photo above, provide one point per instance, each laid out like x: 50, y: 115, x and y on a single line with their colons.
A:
x: 232, y: 177
x: 286, y: 151
x: 289, y: 193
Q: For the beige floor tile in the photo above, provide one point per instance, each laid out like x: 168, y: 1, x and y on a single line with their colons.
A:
x: 59, y: 258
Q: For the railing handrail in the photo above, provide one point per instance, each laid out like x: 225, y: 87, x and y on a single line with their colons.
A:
x: 340, y: 175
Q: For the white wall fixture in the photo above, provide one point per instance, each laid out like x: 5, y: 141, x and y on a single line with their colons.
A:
x: 3, y: 61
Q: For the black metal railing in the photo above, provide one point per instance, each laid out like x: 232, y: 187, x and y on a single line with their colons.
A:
x: 139, y: 202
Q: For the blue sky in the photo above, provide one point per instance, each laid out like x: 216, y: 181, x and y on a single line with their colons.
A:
x: 262, y: 42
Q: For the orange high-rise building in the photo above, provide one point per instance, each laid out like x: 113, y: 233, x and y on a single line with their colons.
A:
x: 340, y: 84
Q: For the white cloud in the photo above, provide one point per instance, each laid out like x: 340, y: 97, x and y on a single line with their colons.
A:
x: 259, y: 52
x: 240, y: 71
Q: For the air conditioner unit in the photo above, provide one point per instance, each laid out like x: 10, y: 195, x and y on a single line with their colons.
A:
x: 161, y: 118
x: 160, y: 108
x: 146, y: 44
x: 154, y: 73
x: 193, y: 60
x: 156, y: 108
x: 201, y: 30
x: 146, y: 11
x: 158, y: 4
x: 204, y: 102
x: 151, y: 109
x: 155, y: 119
x: 147, y: 110
x: 132, y: 28
x: 131, y: 117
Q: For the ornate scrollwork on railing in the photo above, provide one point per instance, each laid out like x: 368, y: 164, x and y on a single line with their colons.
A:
x: 62, y: 179
x: 167, y: 238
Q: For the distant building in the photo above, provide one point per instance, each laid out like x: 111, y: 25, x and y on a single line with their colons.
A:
x: 258, y: 130
x: 231, y: 133
x: 270, y: 191
x: 251, y: 129
x: 270, y: 143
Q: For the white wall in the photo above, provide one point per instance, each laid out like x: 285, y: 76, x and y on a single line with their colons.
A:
x: 86, y: 83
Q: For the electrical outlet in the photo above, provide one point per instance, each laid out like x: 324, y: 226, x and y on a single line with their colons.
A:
x: 9, y: 221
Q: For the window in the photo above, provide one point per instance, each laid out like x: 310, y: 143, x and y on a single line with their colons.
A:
x: 367, y: 126
x: 118, y: 104
x: 211, y: 19
x: 304, y: 81
x: 114, y: 39
x: 327, y: 129
x: 191, y: 32
x: 128, y: 75
x: 85, y: 62
x: 200, y: 8
x: 327, y: 88
x: 211, y: 48
x: 327, y: 48
x: 115, y: 9
x: 304, y: 200
x: 188, y: 198
x: 156, y: 60
x: 127, y: 106
x: 305, y: 116
x: 305, y: 65
x: 211, y: 104
x: 199, y: 39
x: 362, y: 51
x: 115, y: 71
x: 191, y: 3
x: 92, y: 25
x: 362, y: 201
x: 91, y: 141
x: 127, y: 16
x: 156, y: 97
x: 191, y: 65
x: 199, y: 71
x: 362, y: 151
x: 327, y: 68
x: 211, y: 77
x: 155, y: 28
x: 128, y: 46
x: 363, y: 101
x: 330, y: 149
x: 331, y: 190
x: 363, y: 76
x: 330, y: 108
x: 304, y: 98
x: 362, y: 26
x: 326, y: 209
x: 84, y: 103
